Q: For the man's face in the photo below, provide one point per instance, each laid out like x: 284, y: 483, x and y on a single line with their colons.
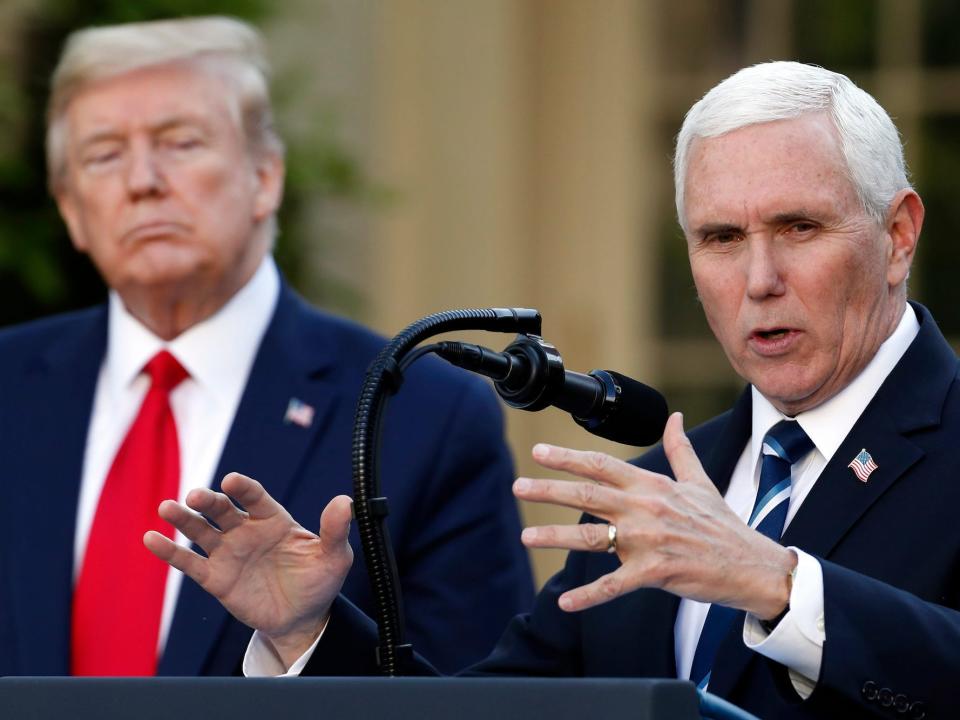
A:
x: 160, y: 188
x: 799, y: 285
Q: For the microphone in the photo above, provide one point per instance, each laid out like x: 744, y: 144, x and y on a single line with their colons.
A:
x: 529, y: 375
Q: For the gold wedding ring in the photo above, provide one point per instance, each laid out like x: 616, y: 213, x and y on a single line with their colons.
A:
x: 611, y: 538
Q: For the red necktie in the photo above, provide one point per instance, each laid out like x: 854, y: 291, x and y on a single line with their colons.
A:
x: 118, y: 599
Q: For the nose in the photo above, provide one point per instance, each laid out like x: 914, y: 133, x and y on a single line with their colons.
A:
x: 145, y: 176
x: 764, y: 276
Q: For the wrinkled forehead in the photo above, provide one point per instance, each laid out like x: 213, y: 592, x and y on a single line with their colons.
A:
x: 200, y: 84
x: 796, y: 162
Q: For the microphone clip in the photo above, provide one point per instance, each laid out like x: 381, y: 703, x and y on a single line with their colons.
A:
x: 540, y: 376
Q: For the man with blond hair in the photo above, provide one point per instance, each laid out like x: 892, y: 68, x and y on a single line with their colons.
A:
x: 168, y: 172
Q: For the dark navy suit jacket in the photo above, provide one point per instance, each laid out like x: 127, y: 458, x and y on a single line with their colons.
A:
x: 889, y: 548
x: 444, y: 468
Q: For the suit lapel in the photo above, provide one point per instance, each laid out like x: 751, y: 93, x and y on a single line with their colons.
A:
x: 839, y: 498
x: 263, y: 445
x: 721, y: 461
x: 48, y: 413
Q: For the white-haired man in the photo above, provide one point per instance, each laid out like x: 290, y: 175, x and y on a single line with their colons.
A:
x: 166, y: 168
x: 797, y: 554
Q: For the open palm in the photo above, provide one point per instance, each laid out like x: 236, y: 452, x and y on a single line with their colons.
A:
x: 267, y: 570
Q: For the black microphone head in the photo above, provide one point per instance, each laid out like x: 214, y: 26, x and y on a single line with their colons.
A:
x: 638, y: 416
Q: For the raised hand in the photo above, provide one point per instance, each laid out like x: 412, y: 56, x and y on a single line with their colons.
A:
x: 266, y: 569
x: 677, y: 535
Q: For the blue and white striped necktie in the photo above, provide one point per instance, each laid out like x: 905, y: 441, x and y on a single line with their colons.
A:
x: 783, y: 446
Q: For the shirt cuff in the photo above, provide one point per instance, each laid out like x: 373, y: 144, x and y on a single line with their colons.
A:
x: 797, y: 641
x: 262, y: 660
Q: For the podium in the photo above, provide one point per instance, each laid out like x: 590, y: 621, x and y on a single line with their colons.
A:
x: 27, y: 698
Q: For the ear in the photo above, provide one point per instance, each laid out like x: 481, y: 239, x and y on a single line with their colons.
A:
x: 270, y: 171
x: 69, y: 209
x: 904, y: 220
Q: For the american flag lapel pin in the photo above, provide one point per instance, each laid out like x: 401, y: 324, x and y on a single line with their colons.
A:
x: 298, y: 413
x: 863, y: 465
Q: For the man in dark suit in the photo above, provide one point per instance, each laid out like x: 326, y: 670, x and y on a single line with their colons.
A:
x: 167, y: 170
x: 797, y: 554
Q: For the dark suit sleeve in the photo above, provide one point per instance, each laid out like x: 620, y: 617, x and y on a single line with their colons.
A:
x: 543, y: 643
x: 461, y: 556
x: 546, y: 641
x: 886, y: 649
x: 349, y: 644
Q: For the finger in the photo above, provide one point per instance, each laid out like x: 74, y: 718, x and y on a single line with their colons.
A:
x: 596, y: 466
x: 335, y: 522
x: 183, y: 559
x: 216, y: 506
x: 682, y: 457
x: 585, y: 536
x: 250, y: 494
x: 596, y: 499
x: 193, y: 525
x: 604, y: 589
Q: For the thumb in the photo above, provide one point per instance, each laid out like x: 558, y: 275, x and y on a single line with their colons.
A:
x: 680, y: 453
x: 335, y: 522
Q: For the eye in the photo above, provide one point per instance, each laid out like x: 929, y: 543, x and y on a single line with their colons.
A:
x: 186, y: 143
x: 99, y: 157
x: 722, y: 237
x: 181, y: 141
x: 802, y: 227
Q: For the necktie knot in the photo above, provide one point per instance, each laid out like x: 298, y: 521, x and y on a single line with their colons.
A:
x: 788, y: 441
x: 165, y: 371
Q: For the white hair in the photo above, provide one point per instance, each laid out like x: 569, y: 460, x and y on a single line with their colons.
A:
x: 782, y: 90
x: 98, y: 53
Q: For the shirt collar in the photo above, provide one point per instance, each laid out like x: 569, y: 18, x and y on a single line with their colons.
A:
x: 239, y: 325
x: 830, y: 422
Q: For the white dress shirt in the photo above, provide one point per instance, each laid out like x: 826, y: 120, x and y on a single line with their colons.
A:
x: 218, y: 354
x: 797, y: 641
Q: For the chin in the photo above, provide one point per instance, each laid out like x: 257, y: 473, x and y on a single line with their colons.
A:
x: 787, y: 393
x: 168, y: 270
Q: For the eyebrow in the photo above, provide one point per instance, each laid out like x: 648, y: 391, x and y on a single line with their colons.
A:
x: 792, y: 216
x: 110, y: 134
x: 715, y: 228
x: 781, y: 218
x: 98, y: 136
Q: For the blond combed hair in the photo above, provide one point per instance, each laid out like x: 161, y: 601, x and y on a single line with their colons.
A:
x: 93, y: 54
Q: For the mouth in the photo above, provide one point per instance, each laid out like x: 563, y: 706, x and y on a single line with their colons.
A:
x: 152, y: 230
x: 773, y: 341
x: 771, y: 334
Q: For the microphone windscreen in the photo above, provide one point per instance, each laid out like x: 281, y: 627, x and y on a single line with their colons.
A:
x: 639, y: 418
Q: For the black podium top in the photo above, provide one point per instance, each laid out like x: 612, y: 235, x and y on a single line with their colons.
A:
x: 333, y: 698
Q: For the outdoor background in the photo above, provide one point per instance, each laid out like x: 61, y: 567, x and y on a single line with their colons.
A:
x: 470, y: 153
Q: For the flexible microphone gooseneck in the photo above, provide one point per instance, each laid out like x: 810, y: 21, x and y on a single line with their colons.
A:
x: 369, y: 508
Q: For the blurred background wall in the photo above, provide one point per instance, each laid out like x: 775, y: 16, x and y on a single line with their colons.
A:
x: 466, y: 153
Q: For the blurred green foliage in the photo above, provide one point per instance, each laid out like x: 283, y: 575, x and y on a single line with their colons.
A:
x: 40, y: 273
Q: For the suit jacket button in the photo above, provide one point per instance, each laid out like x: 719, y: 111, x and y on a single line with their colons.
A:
x: 869, y: 690
x: 918, y: 711
x: 885, y: 697
x: 901, y: 703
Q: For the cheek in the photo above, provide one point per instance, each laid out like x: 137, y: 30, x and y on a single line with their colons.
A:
x: 719, y: 294
x: 90, y: 221
x: 222, y: 196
